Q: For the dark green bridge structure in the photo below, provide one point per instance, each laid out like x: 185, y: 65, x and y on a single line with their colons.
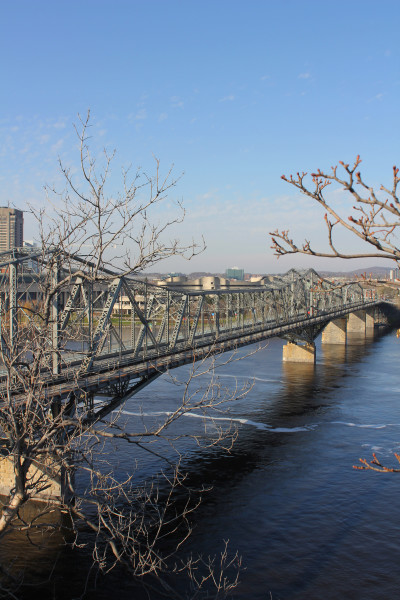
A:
x: 112, y: 335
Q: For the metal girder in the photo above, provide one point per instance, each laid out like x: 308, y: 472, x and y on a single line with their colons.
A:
x: 69, y: 305
x: 144, y: 319
x: 216, y: 312
x: 196, y: 321
x: 145, y: 328
x: 12, y: 301
x: 5, y: 343
x: 178, y: 322
x: 119, y: 398
x: 101, y: 329
x: 55, y: 317
x: 117, y: 337
x: 305, y: 334
x: 162, y: 326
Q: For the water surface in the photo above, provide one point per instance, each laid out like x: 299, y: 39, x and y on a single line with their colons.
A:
x: 307, y: 525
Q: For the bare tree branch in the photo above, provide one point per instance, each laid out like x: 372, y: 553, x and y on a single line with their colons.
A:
x: 375, y: 220
x: 94, y: 233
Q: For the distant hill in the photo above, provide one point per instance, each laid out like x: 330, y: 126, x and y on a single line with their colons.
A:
x: 376, y: 272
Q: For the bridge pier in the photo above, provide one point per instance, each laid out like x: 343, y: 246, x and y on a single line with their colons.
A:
x: 356, y: 322
x: 369, y: 319
x: 49, y: 480
x: 335, y: 332
x: 359, y: 322
x: 299, y: 353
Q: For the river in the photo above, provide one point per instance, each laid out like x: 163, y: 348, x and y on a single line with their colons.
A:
x: 307, y: 525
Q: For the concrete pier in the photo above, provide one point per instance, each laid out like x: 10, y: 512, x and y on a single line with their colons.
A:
x: 369, y: 319
x: 299, y: 353
x: 49, y: 481
x: 335, y: 332
x: 357, y: 325
x: 356, y: 322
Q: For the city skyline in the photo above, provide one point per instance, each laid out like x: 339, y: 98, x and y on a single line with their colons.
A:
x: 232, y: 95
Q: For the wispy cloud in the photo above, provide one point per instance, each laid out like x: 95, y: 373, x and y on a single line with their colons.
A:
x: 26, y: 148
x: 163, y: 116
x: 378, y: 97
x: 176, y: 102
x: 229, y: 98
x: 58, y: 145
x: 137, y: 117
x: 43, y: 139
x: 141, y: 115
x: 304, y: 76
x: 59, y: 125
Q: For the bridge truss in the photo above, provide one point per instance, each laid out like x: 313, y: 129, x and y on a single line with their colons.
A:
x: 112, y: 334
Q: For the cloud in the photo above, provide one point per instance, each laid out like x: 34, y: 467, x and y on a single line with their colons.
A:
x: 141, y: 115
x: 378, y: 97
x: 26, y: 148
x: 176, y: 102
x: 59, y: 125
x: 229, y: 98
x: 142, y: 100
x: 304, y: 76
x: 162, y: 117
x: 58, y: 145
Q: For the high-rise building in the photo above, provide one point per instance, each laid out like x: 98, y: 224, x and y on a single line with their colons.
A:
x: 235, y: 273
x: 11, y: 228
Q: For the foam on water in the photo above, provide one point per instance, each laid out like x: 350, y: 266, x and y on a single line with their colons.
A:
x: 262, y: 379
x: 241, y: 421
x: 365, y: 425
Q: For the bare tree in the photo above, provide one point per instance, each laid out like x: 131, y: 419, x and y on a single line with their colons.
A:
x: 87, y: 235
x: 375, y: 220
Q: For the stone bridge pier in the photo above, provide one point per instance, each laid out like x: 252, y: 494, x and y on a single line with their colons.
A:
x: 304, y: 353
x: 49, y: 479
x: 359, y: 322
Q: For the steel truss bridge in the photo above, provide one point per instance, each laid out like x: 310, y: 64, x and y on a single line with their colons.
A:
x: 111, y: 335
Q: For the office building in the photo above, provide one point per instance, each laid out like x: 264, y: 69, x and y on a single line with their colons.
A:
x: 235, y: 273
x: 11, y: 228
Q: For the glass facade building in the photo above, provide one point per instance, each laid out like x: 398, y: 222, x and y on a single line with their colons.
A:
x: 235, y: 273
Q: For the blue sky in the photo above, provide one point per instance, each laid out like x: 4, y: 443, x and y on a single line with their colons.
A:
x: 234, y: 94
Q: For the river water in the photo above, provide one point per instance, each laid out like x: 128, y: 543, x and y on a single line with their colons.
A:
x: 306, y: 524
